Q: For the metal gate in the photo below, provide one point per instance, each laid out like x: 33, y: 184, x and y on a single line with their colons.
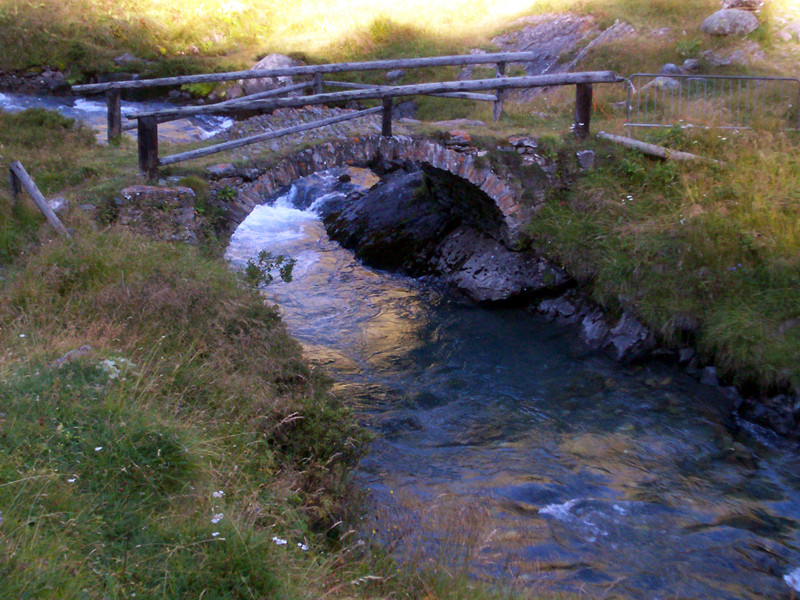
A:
x: 712, y: 101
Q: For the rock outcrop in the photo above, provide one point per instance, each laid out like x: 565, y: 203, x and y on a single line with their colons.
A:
x: 730, y: 21
x: 161, y: 212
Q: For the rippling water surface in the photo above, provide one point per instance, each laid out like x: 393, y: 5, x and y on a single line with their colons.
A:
x: 503, y: 445
x: 94, y: 113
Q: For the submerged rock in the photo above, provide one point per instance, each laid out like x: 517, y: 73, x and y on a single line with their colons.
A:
x: 630, y: 339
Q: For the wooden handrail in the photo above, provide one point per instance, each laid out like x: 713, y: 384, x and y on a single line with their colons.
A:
x: 379, y: 92
x: 148, y: 120
x: 174, y: 158
x: 366, y: 86
x: 375, y: 65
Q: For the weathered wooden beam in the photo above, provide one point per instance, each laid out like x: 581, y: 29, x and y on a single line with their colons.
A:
x: 653, y: 149
x: 497, y: 109
x: 232, y: 102
x: 377, y: 65
x: 397, y: 91
x: 16, y: 187
x: 23, y: 180
x: 386, y: 124
x: 114, y: 102
x: 135, y: 125
x: 148, y: 145
x: 583, y: 109
x: 174, y: 158
x: 457, y: 95
x: 316, y: 88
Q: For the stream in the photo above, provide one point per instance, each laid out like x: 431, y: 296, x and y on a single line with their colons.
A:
x: 94, y: 114
x: 505, y: 448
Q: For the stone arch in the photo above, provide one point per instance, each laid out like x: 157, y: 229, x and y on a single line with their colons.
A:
x: 361, y: 152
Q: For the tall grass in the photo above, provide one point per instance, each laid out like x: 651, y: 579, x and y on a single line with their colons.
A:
x: 109, y: 463
x: 705, y: 254
x: 85, y: 35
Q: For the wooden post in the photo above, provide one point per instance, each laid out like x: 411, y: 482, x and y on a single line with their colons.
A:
x: 113, y: 97
x: 22, y: 178
x: 583, y: 109
x: 318, y: 83
x: 16, y: 187
x: 148, y: 145
x: 386, y: 129
x: 497, y: 109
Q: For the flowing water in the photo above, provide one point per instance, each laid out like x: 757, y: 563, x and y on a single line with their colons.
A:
x: 505, y: 447
x: 94, y: 113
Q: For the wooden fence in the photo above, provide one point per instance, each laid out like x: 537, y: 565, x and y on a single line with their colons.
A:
x: 19, y: 179
x: 148, y: 121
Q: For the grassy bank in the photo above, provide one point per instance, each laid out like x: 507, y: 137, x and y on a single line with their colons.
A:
x: 706, y: 254
x: 163, y: 463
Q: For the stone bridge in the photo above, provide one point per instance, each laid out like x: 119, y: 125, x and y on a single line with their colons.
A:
x: 515, y: 199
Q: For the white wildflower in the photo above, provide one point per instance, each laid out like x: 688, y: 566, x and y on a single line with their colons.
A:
x: 98, y: 448
x: 115, y: 365
x: 302, y: 546
x: 218, y: 494
x: 22, y: 335
x: 71, y: 480
x: 215, y: 534
x: 279, y: 541
x: 217, y: 518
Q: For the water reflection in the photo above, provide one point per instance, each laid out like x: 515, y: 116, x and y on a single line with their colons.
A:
x: 505, y: 447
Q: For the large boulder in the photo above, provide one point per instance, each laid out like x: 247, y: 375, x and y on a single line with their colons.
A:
x: 429, y: 224
x: 264, y: 84
x: 392, y: 226
x: 486, y: 271
x: 730, y: 21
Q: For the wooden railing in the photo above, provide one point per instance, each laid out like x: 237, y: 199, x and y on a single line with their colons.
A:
x: 113, y: 89
x: 148, y: 121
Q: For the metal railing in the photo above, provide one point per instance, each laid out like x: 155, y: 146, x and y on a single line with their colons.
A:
x: 712, y: 101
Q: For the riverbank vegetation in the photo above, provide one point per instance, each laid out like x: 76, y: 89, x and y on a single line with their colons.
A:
x: 704, y: 253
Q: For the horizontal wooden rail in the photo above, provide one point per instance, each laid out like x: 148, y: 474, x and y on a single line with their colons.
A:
x: 233, y: 101
x: 20, y: 179
x: 376, y: 65
x: 174, y: 158
x: 148, y: 120
x: 367, y: 86
x: 501, y: 83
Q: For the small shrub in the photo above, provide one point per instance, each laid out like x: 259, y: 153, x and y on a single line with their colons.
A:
x: 261, y: 273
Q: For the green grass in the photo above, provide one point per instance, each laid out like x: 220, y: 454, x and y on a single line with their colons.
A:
x: 108, y: 464
x: 705, y: 254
